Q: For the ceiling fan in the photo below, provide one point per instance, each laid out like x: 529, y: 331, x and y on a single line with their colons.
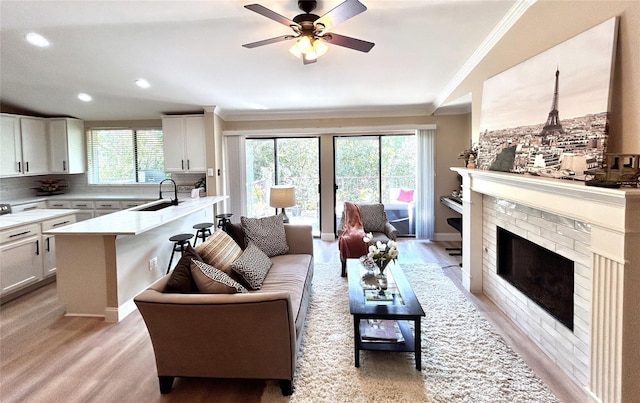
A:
x: 310, y: 31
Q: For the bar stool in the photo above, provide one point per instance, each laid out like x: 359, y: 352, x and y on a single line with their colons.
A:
x: 203, y: 231
x: 224, y: 220
x: 180, y: 242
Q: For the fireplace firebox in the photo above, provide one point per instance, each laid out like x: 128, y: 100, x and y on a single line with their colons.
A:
x: 541, y: 274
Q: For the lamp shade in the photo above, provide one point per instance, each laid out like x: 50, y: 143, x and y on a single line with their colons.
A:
x: 282, y: 196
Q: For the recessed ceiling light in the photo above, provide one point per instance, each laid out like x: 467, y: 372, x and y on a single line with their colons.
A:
x: 37, y: 40
x: 142, y: 83
x: 84, y: 97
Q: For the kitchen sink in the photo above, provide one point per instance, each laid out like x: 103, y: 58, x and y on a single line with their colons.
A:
x: 158, y: 206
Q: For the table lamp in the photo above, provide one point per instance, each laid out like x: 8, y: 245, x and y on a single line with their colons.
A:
x: 282, y: 196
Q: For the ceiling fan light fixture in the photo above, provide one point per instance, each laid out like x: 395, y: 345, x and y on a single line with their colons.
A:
x: 304, y: 44
x: 295, y: 51
x: 319, y: 47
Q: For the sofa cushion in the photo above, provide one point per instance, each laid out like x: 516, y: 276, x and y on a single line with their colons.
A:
x: 252, y: 266
x: 219, y: 251
x: 210, y: 280
x: 405, y: 195
x: 181, y: 280
x: 373, y: 217
x: 267, y: 233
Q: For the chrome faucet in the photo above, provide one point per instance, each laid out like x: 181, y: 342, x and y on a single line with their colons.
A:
x: 175, y: 191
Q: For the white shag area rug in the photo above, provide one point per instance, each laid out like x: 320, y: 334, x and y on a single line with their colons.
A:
x: 463, y: 358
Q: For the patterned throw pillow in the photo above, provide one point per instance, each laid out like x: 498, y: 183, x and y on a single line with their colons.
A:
x: 219, y: 251
x: 267, y: 233
x: 252, y: 266
x: 373, y: 217
x: 181, y: 280
x: 213, y: 281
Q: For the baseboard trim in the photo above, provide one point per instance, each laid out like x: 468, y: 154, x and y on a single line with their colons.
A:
x: 447, y: 236
x: 327, y: 236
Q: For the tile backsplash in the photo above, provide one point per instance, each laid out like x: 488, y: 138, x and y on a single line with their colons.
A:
x: 21, y: 188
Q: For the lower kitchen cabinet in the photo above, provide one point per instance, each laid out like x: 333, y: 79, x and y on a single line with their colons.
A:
x: 20, y: 252
x: 49, y: 243
x: 27, y: 255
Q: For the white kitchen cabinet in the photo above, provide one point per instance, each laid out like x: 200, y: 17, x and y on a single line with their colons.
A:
x: 35, y: 146
x: 106, y: 207
x: 49, y: 243
x: 127, y: 204
x: 24, y: 146
x: 86, y: 208
x: 184, y: 144
x: 67, y: 150
x: 11, y: 150
x: 20, y: 253
x: 28, y: 206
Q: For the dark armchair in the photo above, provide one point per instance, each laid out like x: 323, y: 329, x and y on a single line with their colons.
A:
x: 374, y: 220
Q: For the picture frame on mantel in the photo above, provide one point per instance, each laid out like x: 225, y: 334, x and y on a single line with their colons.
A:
x: 549, y: 115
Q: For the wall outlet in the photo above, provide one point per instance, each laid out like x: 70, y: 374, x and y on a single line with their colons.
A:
x: 153, y: 263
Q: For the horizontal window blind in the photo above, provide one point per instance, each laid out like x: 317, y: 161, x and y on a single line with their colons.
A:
x: 125, y: 156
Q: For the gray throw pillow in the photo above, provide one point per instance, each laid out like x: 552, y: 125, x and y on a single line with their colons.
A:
x: 210, y: 280
x: 267, y: 233
x: 252, y: 266
x: 373, y: 217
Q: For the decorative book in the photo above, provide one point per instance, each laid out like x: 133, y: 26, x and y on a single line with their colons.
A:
x: 380, y: 330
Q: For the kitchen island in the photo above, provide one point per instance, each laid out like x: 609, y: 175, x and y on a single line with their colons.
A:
x: 104, y: 262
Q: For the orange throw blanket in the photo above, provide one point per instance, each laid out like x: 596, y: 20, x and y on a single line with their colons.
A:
x: 350, y: 242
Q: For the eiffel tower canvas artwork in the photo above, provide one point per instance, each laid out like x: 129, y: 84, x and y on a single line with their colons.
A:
x: 514, y: 135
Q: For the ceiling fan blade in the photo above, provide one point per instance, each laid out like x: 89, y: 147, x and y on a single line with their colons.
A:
x: 348, y: 42
x: 262, y: 10
x: 268, y: 41
x: 340, y: 13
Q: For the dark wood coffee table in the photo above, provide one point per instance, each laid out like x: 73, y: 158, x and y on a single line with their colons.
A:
x: 403, y: 309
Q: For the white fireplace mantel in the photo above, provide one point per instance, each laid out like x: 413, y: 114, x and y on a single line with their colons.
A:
x: 614, y: 218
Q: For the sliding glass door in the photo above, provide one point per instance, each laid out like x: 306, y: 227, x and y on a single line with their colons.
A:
x: 372, y: 169
x: 284, y: 161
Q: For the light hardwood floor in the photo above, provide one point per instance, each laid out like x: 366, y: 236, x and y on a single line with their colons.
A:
x: 48, y: 357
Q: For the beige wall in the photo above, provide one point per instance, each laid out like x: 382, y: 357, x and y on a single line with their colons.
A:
x: 548, y: 23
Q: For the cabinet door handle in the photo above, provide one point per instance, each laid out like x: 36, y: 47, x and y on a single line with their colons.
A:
x: 19, y: 234
x: 81, y: 205
x: 19, y: 166
x: 37, y: 247
x: 188, y: 165
x: 105, y: 205
x: 30, y: 208
x: 182, y: 163
x: 61, y: 223
x: 26, y: 166
x: 64, y: 165
x: 48, y: 246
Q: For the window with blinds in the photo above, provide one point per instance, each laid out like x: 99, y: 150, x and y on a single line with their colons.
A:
x: 125, y: 156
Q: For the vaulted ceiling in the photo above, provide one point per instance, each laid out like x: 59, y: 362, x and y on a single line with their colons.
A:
x: 191, y: 54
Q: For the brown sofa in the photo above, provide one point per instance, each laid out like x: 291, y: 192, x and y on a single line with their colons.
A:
x: 244, y: 335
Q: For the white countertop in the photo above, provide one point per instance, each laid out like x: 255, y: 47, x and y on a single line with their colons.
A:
x: 32, y: 216
x: 132, y: 222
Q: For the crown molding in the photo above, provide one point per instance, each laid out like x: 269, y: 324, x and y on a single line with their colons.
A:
x: 374, y: 112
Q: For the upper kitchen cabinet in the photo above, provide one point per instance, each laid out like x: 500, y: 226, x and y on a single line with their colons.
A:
x: 184, y: 144
x: 11, y: 150
x: 67, y: 151
x: 25, y: 147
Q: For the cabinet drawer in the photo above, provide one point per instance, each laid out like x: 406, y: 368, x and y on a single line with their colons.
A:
x: 18, y: 233
x: 82, y: 204
x: 133, y: 203
x: 108, y: 205
x: 59, y: 204
x: 28, y: 207
x: 58, y: 222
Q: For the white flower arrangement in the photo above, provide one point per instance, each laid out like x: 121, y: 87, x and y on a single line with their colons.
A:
x: 382, y: 253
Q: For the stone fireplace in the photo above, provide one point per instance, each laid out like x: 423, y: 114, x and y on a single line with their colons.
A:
x: 598, y: 230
